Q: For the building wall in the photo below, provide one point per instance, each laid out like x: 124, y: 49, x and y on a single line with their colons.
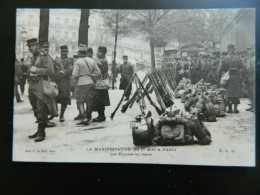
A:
x: 241, y: 31
x: 63, y: 29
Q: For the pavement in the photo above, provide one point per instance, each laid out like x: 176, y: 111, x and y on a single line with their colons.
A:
x: 233, y: 138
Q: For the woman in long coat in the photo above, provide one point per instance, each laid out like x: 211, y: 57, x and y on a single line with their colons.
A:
x: 234, y: 65
x: 101, y: 96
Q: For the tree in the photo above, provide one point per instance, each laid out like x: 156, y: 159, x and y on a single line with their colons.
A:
x: 147, y: 22
x: 44, y: 25
x: 83, y: 27
x: 116, y: 23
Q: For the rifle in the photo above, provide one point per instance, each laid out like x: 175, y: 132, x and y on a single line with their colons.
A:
x: 113, y: 113
x: 149, y: 98
x: 133, y: 98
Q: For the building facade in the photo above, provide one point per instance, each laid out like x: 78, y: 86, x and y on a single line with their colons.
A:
x: 63, y: 29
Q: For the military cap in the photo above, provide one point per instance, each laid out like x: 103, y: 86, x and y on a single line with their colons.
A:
x: 64, y: 48
x: 82, y: 48
x: 125, y: 57
x: 90, y: 50
x: 231, y: 46
x: 102, y: 49
x: 31, y: 41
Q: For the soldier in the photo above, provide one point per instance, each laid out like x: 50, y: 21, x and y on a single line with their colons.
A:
x: 234, y: 65
x: 178, y: 71
x: 23, y: 76
x: 101, y: 96
x: 206, y: 67
x: 86, y: 71
x: 62, y: 78
x: 251, y: 77
x: 195, y: 70
x: 40, y: 69
x: 126, y: 70
x: 186, y: 68
x: 212, y: 76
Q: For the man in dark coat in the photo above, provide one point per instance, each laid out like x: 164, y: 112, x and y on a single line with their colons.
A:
x: 101, y: 96
x: 195, y: 70
x: 212, y: 76
x: 250, y: 75
x: 234, y: 65
x: 62, y: 79
x: 126, y: 70
x: 17, y: 81
x: 41, y: 69
x: 23, y: 76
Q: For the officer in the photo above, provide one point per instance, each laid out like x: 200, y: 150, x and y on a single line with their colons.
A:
x: 62, y: 78
x: 126, y: 70
x: 234, y: 65
x: 251, y: 77
x: 40, y: 69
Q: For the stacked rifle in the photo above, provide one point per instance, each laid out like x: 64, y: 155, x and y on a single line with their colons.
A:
x: 160, y: 81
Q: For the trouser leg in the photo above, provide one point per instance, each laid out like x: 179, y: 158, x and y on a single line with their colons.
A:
x: 62, y: 110
x: 17, y: 95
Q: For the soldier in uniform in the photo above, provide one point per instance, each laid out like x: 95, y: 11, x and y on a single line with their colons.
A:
x: 186, y: 68
x: 126, y: 70
x: 195, y: 70
x: 212, y: 76
x: 206, y: 67
x: 234, y: 65
x: 62, y: 79
x: 250, y: 74
x: 23, y: 76
x: 101, y: 96
x: 86, y: 71
x: 178, y: 71
x: 40, y: 69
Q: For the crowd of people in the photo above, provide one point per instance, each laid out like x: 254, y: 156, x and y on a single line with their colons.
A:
x: 83, y: 75
x: 79, y: 75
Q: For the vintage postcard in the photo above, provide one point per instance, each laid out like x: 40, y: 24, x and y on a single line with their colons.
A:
x: 135, y: 86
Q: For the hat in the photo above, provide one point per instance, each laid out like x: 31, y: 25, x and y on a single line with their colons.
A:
x: 102, y: 49
x: 125, y: 57
x: 64, y: 48
x: 90, y: 50
x: 82, y: 48
x: 44, y: 44
x: 231, y: 46
x: 31, y: 41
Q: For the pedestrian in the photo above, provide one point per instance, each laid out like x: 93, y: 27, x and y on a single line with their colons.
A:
x: 101, y: 95
x: 234, y: 65
x: 23, y: 76
x: 86, y: 71
x: 41, y: 68
x: 62, y: 79
x: 17, y: 81
x: 126, y: 70
x: 250, y: 75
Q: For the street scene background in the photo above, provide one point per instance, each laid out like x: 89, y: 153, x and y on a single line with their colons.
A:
x: 233, y: 137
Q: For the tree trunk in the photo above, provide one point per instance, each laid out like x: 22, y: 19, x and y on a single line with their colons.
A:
x: 152, y: 54
x: 44, y: 25
x: 83, y: 27
x: 114, y: 60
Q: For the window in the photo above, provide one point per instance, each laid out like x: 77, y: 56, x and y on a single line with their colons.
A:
x: 57, y: 48
x: 73, y: 35
x: 66, y: 34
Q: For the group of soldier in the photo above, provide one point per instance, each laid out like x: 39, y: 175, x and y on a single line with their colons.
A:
x: 210, y: 68
x: 80, y: 72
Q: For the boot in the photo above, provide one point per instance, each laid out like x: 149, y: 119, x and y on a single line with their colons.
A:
x: 62, y: 119
x: 79, y: 117
x: 101, y: 116
x: 33, y: 136
x: 62, y: 111
x: 235, y: 109
x: 84, y: 122
x: 41, y: 132
x: 229, y: 108
x: 51, y: 124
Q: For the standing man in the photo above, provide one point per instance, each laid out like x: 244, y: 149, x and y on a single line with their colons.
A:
x: 40, y: 69
x: 234, y: 65
x: 251, y: 77
x: 23, y: 76
x: 126, y: 70
x: 85, y: 70
x: 17, y: 81
x: 62, y: 79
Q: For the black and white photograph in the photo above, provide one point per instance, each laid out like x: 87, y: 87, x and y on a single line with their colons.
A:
x: 153, y: 86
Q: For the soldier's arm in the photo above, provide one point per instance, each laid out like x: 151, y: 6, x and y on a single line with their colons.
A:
x: 69, y: 67
x: 96, y: 71
x: 48, y: 68
x: 75, y: 72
